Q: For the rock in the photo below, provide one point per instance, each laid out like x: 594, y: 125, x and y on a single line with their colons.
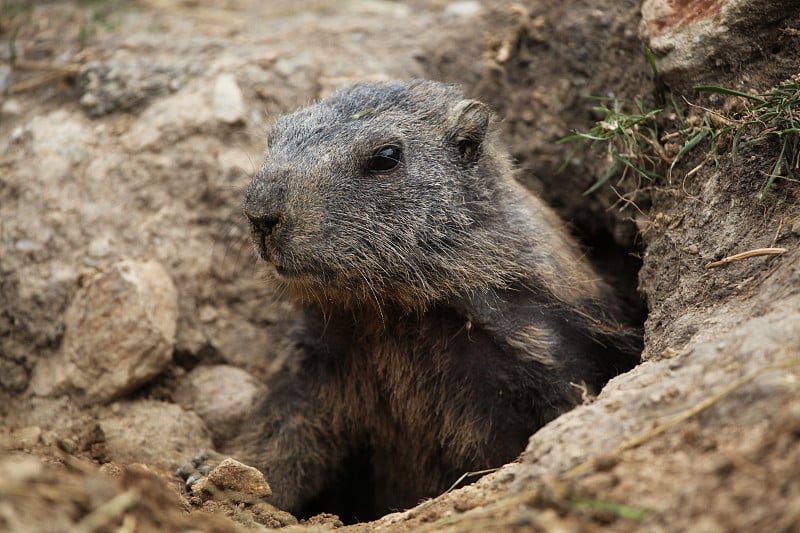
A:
x: 126, y: 83
x: 18, y: 133
x: 221, y: 395
x: 463, y: 9
x: 60, y: 141
x: 11, y: 107
x: 325, y: 520
x: 272, y: 517
x: 25, y: 245
x: 232, y: 480
x: 119, y: 334
x: 13, y: 376
x: 156, y: 433
x: 625, y: 408
x: 26, y: 438
x: 19, y: 468
x: 170, y: 119
x: 242, y: 343
x: 228, y: 100
x: 689, y: 38
x: 99, y: 247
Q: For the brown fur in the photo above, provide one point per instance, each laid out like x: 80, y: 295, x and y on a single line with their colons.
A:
x: 448, y: 314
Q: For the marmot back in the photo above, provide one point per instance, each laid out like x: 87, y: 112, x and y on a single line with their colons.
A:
x: 448, y: 314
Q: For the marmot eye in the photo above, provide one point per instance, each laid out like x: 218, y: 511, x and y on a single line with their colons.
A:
x: 384, y: 159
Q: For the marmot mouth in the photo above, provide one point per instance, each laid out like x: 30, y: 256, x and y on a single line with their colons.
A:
x: 263, y: 251
x: 269, y: 256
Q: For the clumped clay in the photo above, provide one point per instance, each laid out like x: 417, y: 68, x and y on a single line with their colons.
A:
x: 447, y: 314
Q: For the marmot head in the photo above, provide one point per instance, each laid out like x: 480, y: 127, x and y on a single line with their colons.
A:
x: 384, y: 193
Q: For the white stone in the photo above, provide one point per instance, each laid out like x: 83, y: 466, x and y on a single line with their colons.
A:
x: 228, y: 100
x: 17, y: 133
x: 99, y: 247
x: 25, y: 245
x: 11, y: 107
x: 463, y: 9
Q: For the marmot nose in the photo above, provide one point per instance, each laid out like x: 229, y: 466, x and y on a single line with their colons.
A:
x: 265, y: 224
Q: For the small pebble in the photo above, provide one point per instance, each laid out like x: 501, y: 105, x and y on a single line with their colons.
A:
x: 228, y: 100
x: 11, y: 107
x: 27, y: 438
x: 99, y: 247
x: 462, y: 9
x: 17, y: 133
x: 207, y: 314
x: 232, y: 480
x: 25, y: 245
x: 89, y: 100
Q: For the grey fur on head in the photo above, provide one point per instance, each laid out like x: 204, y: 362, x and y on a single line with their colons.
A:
x: 448, y: 219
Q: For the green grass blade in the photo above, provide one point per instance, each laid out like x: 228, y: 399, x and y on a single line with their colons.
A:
x: 678, y: 110
x: 650, y: 175
x: 570, y: 138
x: 362, y: 113
x: 776, y: 169
x: 729, y: 92
x: 603, y: 179
x: 567, y: 160
x: 580, y: 137
x: 616, y: 509
x: 735, y: 144
x: 661, y: 88
x: 691, y: 143
x: 651, y: 60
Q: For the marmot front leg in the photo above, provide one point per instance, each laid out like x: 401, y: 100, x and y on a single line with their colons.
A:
x: 292, y: 438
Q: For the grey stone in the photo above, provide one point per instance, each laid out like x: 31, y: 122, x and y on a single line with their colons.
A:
x: 221, y: 395
x: 125, y: 83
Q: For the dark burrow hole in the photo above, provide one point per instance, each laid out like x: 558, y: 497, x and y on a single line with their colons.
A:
x: 619, y: 266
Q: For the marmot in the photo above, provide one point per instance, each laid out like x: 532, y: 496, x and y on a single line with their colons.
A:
x: 447, y: 313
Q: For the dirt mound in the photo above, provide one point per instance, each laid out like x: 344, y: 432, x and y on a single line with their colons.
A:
x: 128, y: 129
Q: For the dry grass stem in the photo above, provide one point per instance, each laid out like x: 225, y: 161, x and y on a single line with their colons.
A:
x: 39, y: 81
x: 107, y: 512
x: 746, y: 255
x: 68, y: 69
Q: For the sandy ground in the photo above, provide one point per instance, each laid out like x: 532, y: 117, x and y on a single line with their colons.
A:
x: 118, y: 143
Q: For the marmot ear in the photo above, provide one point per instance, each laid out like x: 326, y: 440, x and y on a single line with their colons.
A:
x: 470, y: 121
